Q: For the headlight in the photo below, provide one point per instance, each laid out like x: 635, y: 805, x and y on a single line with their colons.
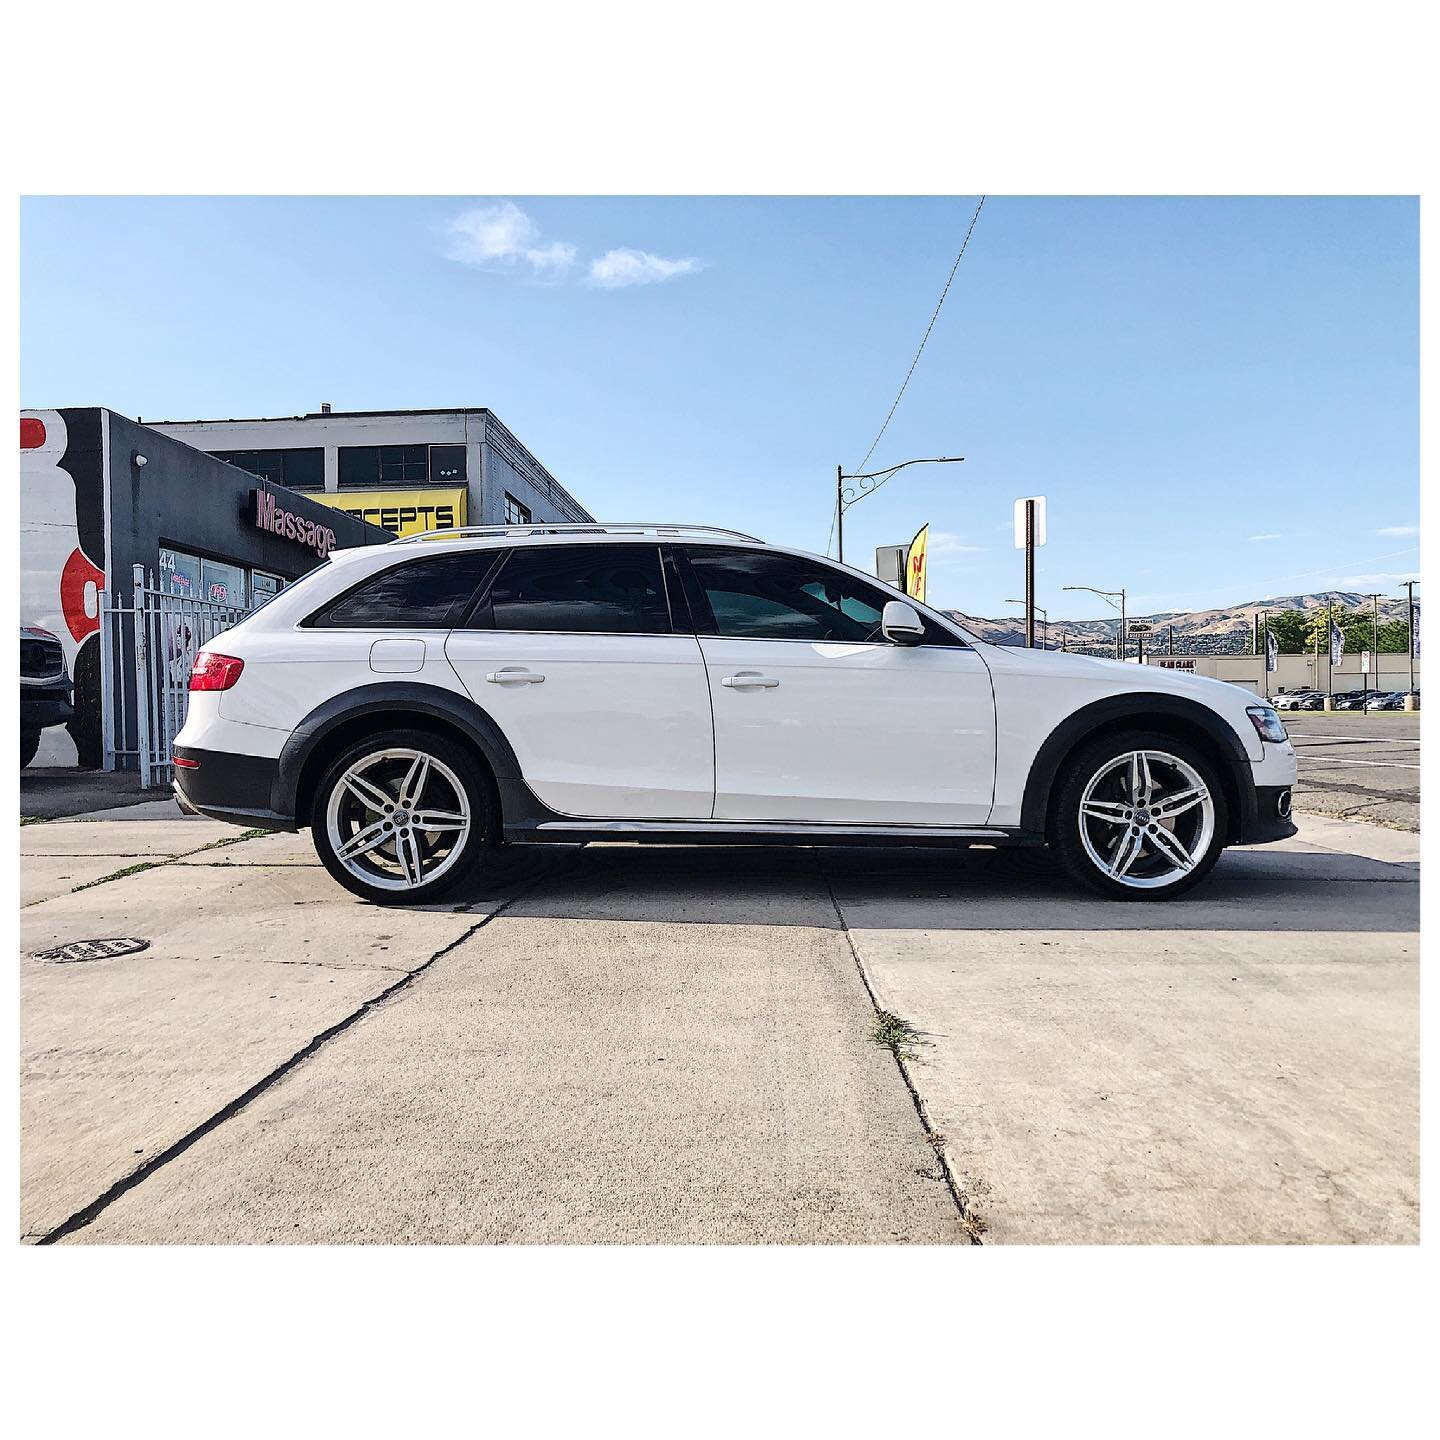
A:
x: 1268, y: 725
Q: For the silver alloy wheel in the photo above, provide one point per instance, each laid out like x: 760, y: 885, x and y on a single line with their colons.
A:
x: 1147, y: 819
x: 398, y: 819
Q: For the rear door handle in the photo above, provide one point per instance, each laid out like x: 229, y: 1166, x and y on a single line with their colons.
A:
x: 514, y: 675
x: 750, y: 680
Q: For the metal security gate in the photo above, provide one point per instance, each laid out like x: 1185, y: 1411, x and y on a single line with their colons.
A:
x: 146, y: 650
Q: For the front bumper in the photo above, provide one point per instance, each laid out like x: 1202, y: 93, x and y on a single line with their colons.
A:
x: 1268, y: 818
x: 237, y: 789
x: 44, y: 705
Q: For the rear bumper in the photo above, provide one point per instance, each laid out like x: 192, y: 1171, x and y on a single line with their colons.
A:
x: 238, y: 789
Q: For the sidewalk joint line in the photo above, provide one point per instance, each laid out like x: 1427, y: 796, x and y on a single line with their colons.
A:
x: 968, y: 1220
x: 88, y: 1213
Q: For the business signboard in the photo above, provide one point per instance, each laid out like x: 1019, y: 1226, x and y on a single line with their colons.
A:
x: 402, y: 512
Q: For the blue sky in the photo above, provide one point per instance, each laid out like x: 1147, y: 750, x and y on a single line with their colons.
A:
x: 1218, y: 397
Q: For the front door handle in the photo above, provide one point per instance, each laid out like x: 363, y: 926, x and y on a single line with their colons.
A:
x: 750, y: 680
x: 514, y: 675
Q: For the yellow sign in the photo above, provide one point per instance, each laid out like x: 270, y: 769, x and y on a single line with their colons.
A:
x: 915, y: 565
x: 403, y: 512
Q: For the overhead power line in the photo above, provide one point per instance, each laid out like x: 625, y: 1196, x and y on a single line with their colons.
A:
x: 949, y: 280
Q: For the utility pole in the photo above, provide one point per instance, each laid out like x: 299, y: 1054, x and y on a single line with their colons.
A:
x: 840, y: 512
x: 1264, y: 649
x: 1410, y: 628
x: 1330, y: 648
x: 1169, y: 639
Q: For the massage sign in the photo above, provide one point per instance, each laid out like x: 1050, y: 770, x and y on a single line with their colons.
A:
x: 290, y: 526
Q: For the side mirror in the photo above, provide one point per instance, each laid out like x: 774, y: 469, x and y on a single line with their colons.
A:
x: 901, y: 624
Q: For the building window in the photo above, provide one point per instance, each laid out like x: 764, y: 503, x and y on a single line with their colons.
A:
x: 447, y: 464
x: 400, y: 466
x: 295, y: 469
x: 515, y: 512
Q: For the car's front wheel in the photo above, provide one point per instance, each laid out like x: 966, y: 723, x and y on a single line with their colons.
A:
x: 402, y: 817
x: 1138, y: 816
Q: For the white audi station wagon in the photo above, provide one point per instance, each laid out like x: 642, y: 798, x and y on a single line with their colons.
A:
x: 420, y: 703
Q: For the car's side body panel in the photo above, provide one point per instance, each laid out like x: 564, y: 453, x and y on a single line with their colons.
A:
x: 603, y: 725
x: 864, y: 734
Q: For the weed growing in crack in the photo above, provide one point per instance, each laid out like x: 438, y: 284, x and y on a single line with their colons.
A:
x: 897, y: 1036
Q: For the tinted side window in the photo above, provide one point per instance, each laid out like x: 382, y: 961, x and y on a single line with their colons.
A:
x: 755, y: 595
x: 604, y: 589
x: 420, y: 594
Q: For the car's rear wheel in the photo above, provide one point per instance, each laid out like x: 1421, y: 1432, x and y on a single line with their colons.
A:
x: 1139, y: 816
x: 402, y: 817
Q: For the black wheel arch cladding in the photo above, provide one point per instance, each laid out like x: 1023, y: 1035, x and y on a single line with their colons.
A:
x: 393, y: 704
x: 1177, y: 715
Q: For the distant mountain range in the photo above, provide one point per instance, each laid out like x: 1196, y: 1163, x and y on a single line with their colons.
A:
x: 1226, y: 631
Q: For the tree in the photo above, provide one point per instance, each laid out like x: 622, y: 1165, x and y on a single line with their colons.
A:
x: 1358, y: 628
x: 1288, y: 628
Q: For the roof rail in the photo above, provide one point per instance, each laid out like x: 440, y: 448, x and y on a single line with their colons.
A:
x: 594, y: 527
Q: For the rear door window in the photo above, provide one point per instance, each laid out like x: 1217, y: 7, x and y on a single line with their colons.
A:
x: 430, y: 593
x: 599, y: 589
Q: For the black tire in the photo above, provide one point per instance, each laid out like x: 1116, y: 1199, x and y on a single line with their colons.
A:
x: 1064, y: 821
x: 384, y: 860
x: 29, y: 744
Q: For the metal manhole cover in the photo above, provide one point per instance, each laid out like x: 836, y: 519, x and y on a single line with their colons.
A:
x: 78, y: 950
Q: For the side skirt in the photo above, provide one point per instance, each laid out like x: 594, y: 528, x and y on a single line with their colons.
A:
x: 741, y: 832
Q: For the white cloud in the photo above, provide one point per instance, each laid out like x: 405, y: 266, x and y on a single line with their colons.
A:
x: 942, y: 542
x: 1399, y: 530
x: 1253, y: 539
x: 1372, y: 582
x: 502, y: 236
x: 618, y: 268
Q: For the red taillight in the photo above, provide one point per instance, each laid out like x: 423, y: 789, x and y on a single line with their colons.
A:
x: 181, y: 763
x: 32, y: 432
x: 214, y: 672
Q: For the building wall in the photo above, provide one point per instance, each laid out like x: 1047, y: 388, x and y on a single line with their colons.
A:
x: 1296, y: 672
x: 495, y: 461
x: 90, y: 512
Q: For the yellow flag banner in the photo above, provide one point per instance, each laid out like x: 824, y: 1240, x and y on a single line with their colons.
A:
x: 915, y: 565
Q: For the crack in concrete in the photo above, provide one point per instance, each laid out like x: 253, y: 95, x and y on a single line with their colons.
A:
x: 970, y: 1221
x: 88, y: 1213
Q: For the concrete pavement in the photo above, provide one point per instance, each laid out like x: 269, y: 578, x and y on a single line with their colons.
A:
x: 624, y: 1044
x: 1238, y: 1067
x: 617, y: 1057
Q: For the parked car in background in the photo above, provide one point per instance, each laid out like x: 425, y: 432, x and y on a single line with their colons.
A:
x: 1353, y: 699
x: 1292, y: 700
x: 45, y: 688
x: 1393, y: 700
x: 420, y: 703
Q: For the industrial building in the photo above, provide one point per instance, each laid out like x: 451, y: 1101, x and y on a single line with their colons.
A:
x: 405, y: 470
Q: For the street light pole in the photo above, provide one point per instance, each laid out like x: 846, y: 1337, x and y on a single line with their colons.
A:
x: 1374, y: 651
x: 1109, y: 597
x: 848, y: 494
x: 1044, y: 615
